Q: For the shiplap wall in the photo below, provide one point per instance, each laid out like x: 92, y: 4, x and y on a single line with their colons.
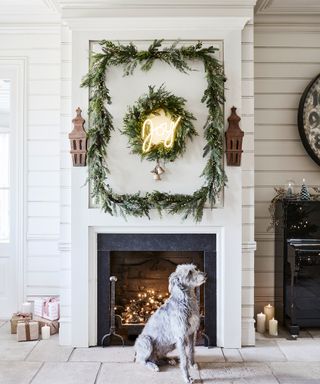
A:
x: 41, y: 48
x: 65, y: 186
x: 248, y: 245
x: 285, y: 62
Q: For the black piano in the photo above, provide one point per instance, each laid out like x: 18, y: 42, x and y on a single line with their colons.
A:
x: 297, y: 264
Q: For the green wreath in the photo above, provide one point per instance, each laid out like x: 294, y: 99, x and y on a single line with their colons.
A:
x: 151, y: 104
x: 101, y: 126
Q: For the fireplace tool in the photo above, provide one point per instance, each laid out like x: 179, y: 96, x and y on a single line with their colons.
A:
x: 112, y: 331
x: 202, y: 333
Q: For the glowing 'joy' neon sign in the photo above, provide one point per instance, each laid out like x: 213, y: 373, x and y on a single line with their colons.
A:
x: 157, y: 129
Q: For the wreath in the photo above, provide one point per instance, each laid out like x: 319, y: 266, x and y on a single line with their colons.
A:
x: 136, y: 125
x: 101, y: 126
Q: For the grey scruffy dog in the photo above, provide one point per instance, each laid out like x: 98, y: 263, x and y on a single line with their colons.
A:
x: 174, y: 324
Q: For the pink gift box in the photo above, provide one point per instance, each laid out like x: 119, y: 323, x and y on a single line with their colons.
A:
x: 47, y: 307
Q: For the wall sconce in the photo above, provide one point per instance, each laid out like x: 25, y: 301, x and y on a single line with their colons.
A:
x: 78, y: 141
x: 234, y: 136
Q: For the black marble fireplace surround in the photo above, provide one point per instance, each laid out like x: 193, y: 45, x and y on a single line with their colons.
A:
x: 108, y: 243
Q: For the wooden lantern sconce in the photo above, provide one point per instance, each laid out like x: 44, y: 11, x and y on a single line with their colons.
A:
x: 234, y: 137
x: 78, y: 141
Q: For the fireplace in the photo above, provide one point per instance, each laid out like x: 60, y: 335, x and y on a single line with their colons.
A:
x: 230, y: 224
x: 142, y: 264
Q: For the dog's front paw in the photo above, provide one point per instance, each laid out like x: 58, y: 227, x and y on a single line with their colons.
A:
x: 189, y: 380
x: 152, y: 366
x: 172, y: 362
x: 194, y: 366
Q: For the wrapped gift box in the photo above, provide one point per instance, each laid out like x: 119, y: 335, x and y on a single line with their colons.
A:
x: 53, y: 324
x: 46, y: 307
x: 27, y: 330
x: 16, y: 317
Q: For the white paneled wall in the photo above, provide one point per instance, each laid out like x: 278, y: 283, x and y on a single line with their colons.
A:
x: 248, y: 245
x: 285, y: 62
x: 42, y: 51
x: 65, y: 186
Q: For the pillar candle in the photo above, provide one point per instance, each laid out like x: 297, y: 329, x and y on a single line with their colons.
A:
x: 269, y: 312
x: 273, y: 327
x: 45, y: 332
x: 261, y: 322
x: 26, y: 307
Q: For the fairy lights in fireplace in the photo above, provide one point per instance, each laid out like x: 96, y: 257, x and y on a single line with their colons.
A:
x: 139, y: 310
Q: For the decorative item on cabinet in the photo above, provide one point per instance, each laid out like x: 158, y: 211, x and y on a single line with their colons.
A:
x: 78, y: 141
x: 234, y: 136
x: 290, y: 186
x: 304, y: 193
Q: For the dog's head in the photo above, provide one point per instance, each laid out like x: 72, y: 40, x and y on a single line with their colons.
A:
x: 186, y: 276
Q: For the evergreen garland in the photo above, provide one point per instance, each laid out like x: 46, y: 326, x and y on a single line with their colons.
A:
x: 149, y: 104
x: 282, y: 194
x: 101, y: 126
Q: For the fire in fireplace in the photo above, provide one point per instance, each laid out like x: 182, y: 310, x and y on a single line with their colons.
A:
x: 142, y: 264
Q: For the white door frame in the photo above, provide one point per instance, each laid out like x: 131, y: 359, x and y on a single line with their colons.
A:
x: 14, y: 68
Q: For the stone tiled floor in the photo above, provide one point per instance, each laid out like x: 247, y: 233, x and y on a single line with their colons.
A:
x: 273, y: 360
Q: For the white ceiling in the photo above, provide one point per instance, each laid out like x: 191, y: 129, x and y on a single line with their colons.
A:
x: 287, y: 7
x: 28, y: 6
x: 28, y: 11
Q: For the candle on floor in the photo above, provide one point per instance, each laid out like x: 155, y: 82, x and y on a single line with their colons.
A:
x: 273, y: 327
x: 26, y: 307
x: 269, y: 312
x: 45, y: 332
x: 261, y: 322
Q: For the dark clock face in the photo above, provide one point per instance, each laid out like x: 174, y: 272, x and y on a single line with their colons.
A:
x: 309, y: 119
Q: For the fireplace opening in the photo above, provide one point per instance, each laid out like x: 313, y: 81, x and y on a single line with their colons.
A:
x: 142, y: 264
x: 142, y: 287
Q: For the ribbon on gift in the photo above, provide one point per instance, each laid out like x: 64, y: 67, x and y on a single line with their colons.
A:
x: 45, y: 309
x: 22, y: 314
x: 55, y: 326
x: 27, y: 328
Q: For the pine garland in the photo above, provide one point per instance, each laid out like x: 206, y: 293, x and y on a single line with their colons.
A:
x: 101, y: 126
x: 282, y: 194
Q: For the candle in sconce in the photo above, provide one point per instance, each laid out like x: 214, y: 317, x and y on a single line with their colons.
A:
x: 26, y: 307
x: 273, y: 327
x: 45, y: 332
x: 269, y: 312
x: 261, y: 322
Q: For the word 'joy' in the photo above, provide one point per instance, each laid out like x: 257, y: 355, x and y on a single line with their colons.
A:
x: 159, y: 129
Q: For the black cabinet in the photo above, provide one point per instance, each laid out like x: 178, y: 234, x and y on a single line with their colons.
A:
x: 297, y: 264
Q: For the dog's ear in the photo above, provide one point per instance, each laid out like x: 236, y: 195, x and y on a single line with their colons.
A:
x: 174, y: 281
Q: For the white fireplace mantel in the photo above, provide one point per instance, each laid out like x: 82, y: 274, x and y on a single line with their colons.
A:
x: 225, y: 222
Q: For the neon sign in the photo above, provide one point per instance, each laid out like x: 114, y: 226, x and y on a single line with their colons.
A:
x: 159, y: 129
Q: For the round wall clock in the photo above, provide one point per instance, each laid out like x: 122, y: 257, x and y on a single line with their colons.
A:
x: 309, y: 119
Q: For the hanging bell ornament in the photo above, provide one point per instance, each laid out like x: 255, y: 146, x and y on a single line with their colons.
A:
x: 155, y: 173
x: 156, y: 176
x: 159, y: 169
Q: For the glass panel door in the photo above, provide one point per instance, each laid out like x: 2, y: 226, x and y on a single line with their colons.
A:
x: 8, y: 190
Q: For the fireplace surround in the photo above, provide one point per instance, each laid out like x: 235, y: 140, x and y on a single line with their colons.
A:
x: 156, y: 244
x: 234, y: 240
